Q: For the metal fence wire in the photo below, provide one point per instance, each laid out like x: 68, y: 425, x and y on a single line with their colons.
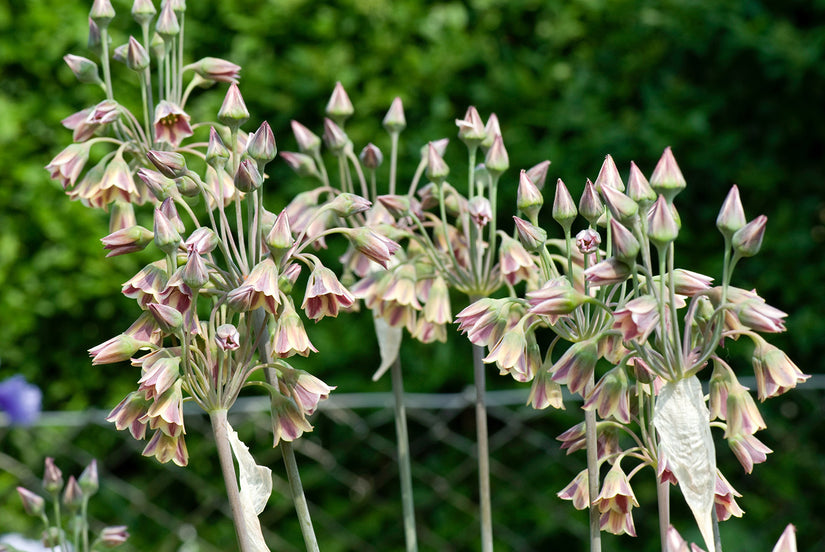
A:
x: 350, y: 477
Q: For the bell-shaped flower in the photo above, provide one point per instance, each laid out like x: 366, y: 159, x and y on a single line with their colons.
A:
x: 68, y: 164
x: 509, y: 350
x: 637, y: 319
x: 325, y: 295
x: 615, y: 502
x: 290, y: 337
x: 607, y: 272
x: 306, y: 390
x: 742, y: 415
x: 544, y: 391
x: 168, y: 406
x: 131, y: 413
x: 428, y: 332
x: 611, y: 395
x: 117, y: 349
x: 227, y: 337
x: 577, y: 491
x: 437, y: 306
x: 724, y: 499
x: 166, y: 447
x: 147, y: 285
x: 576, y: 366
x: 487, y: 320
x: 515, y: 262
x: 171, y: 124
x: 748, y: 450
x: 288, y: 419
x: 775, y: 372
x: 573, y: 439
x: 373, y: 245
x: 259, y: 289
x: 401, y: 287
x: 555, y: 298
x: 160, y: 373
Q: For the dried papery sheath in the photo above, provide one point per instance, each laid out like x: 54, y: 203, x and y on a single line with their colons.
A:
x: 682, y: 420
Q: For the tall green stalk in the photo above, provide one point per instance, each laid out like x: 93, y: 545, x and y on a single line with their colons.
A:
x: 404, y: 467
x: 482, y: 442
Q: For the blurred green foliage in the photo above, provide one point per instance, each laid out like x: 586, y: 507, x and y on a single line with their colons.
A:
x: 735, y: 87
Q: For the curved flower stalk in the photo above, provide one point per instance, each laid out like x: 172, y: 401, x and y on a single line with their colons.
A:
x: 220, y: 308
x: 633, y: 358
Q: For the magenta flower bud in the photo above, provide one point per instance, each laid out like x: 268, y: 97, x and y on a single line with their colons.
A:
x: 102, y: 13
x: 345, y: 204
x: 564, y: 209
x: 748, y: 240
x: 590, y: 205
x: 732, y: 215
x: 339, y: 108
x: 215, y: 70
x: 280, y: 239
x: 170, y: 164
x: 775, y: 372
x: 625, y: 245
x: 531, y: 236
x: 638, y: 188
x: 308, y: 142
x: 471, y: 128
x: 52, y: 477
x: 609, y: 176
x: 227, y: 337
x: 556, y: 297
x: 128, y: 240
x: 261, y: 145
x: 621, y: 206
x: 667, y: 179
x: 84, y: 69
x: 371, y: 156
x: 662, y: 226
x: 394, y: 121
x: 496, y: 159
x: 491, y: 130
x: 302, y: 164
x: 166, y: 236
x: 233, y: 112
x: 167, y: 24
x: 588, y: 241
x: 33, y: 504
x: 143, y: 11
x: 748, y: 450
x: 160, y: 186
x: 528, y: 199
x: 538, y: 173
x: 437, y: 169
x: 114, y: 536
x: 72, y: 495
x: 334, y: 137
x: 137, y: 59
x: 248, y: 178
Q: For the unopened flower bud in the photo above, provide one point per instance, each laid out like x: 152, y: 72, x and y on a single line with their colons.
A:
x: 497, y: 160
x: 437, y: 169
x: 564, y: 209
x: 143, y: 11
x: 339, y: 107
x: 528, y: 198
x: 621, y: 206
x: 662, y: 226
x: 72, y: 495
x: 33, y: 504
x: 371, y: 156
x: 50, y: 538
x: 732, y: 215
x: 394, y: 120
x: 748, y: 240
x: 112, y: 537
x: 216, y: 70
x: 302, y: 164
x: 195, y: 274
x: 167, y: 237
x: 480, y: 210
x: 491, y: 130
x: 531, y: 236
x: 625, y: 244
x: 345, y: 204
x: 308, y: 141
x: 102, y: 13
x: 590, y: 205
x: 538, y: 173
x: 280, y: 239
x: 160, y: 186
x: 667, y: 179
x: 137, y: 59
x: 217, y: 154
x: 638, y: 188
x: 158, y: 47
x: 170, y: 164
x: 227, y: 337
x: 178, y: 6
x: 94, y: 43
x: 52, y: 477
x: 397, y: 205
x: 261, y: 146
x: 84, y: 69
x: 233, y: 112
x: 609, y: 176
x: 127, y: 240
x: 471, y: 128
x: 120, y: 52
x: 248, y: 178
x: 167, y: 25
x: 334, y: 137
x: 189, y: 185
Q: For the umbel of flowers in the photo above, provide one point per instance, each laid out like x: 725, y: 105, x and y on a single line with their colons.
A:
x: 641, y: 332
x: 222, y: 304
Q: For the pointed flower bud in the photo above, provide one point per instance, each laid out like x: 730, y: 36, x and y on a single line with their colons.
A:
x: 84, y: 69
x: 233, y: 112
x: 137, y: 59
x: 261, y: 145
x: 528, y: 199
x: 102, y: 13
x: 531, y: 236
x: 491, y: 130
x: 167, y: 25
x: 215, y: 70
x: 667, y: 179
x: 334, y: 137
x: 166, y: 236
x: 625, y: 245
x: 169, y: 319
x: 590, y: 205
x: 116, y: 535
x: 302, y: 164
x: 732, y: 215
x: 787, y: 540
x: 72, y: 495
x: 638, y: 188
x: 621, y: 206
x: 497, y: 160
x: 52, y: 477
x: 538, y: 173
x: 437, y: 169
x: 662, y: 226
x: 217, y: 154
x: 170, y: 164
x: 248, y: 178
x: 158, y: 47
x: 748, y: 240
x: 394, y: 120
x: 564, y: 209
x: 373, y: 245
x: 280, y: 239
x: 33, y: 504
x: 471, y: 128
x: 346, y: 204
x: 609, y: 176
x: 127, y: 240
x: 371, y: 156
x: 143, y: 11
x: 308, y: 142
x: 607, y: 272
x: 339, y: 107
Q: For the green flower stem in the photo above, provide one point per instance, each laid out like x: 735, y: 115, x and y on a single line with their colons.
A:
x: 357, y: 164
x: 393, y: 162
x: 484, y: 500
x: 672, y: 301
x: 179, y: 67
x: 84, y: 513
x: 221, y: 433
x: 298, y: 497
x: 404, y: 468
x: 663, y: 496
x: 717, y: 537
x: 491, y: 247
x: 592, y: 474
x: 145, y: 91
x: 104, y: 60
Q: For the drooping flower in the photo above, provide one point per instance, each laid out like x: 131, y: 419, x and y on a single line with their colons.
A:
x: 68, y: 164
x: 19, y: 400
x: 166, y: 447
x: 131, y: 413
x: 147, y: 285
x: 515, y: 262
x: 577, y: 491
x: 576, y: 365
x: 638, y: 318
x: 748, y: 450
x: 611, y: 395
x: 607, y: 272
x: 259, y: 289
x: 171, y: 124
x: 306, y: 390
x: 288, y: 420
x: 325, y: 294
x: 127, y: 240
x: 615, y: 502
x: 290, y: 337
x: 724, y: 498
x: 775, y: 372
x: 215, y: 69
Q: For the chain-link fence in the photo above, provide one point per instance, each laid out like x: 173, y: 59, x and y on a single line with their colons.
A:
x: 350, y: 477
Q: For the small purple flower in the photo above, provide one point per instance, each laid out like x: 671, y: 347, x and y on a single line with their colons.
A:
x: 21, y: 401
